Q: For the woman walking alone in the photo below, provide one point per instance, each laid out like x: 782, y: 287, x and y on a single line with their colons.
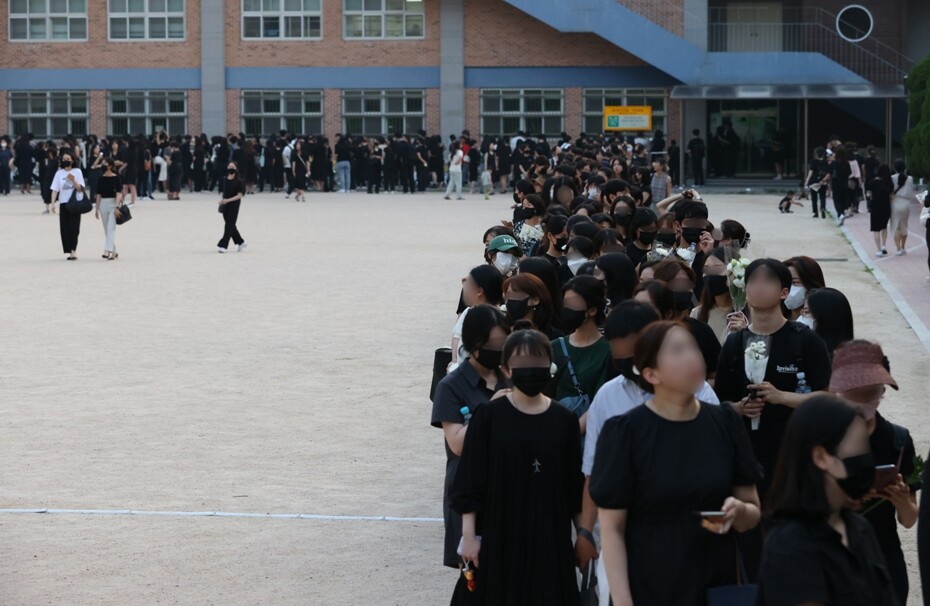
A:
x: 109, y: 201
x: 232, y: 190
x: 456, y: 157
x: 68, y: 184
x: 903, y: 196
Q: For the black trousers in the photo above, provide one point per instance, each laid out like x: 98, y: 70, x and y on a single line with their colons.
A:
x: 70, y: 225
x: 821, y: 195
x: 422, y: 177
x: 697, y: 170
x: 230, y: 215
x: 406, y: 177
x: 373, y: 176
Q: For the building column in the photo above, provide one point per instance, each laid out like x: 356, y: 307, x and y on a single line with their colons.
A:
x: 451, y: 67
x: 212, y: 67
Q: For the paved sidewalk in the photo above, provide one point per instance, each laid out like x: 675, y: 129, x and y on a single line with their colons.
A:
x: 904, y: 277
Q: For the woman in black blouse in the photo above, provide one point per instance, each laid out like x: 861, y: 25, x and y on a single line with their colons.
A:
x: 232, y: 189
x: 109, y: 194
x: 819, y: 552
x: 658, y: 466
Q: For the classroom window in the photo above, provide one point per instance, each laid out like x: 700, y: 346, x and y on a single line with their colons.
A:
x: 383, y: 18
x: 504, y: 112
x: 595, y: 99
x: 282, y: 19
x: 48, y: 114
x: 47, y: 20
x: 147, y: 112
x: 146, y: 19
x: 267, y: 112
x: 373, y: 113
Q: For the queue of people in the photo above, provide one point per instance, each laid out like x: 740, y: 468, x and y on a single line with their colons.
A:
x: 623, y: 405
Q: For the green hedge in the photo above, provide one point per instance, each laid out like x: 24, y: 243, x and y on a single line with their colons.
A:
x: 917, y: 139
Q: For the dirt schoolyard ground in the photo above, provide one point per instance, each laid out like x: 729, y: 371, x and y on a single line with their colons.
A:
x: 290, y: 379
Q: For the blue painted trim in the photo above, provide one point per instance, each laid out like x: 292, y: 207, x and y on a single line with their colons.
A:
x: 773, y: 68
x: 100, y: 79
x: 331, y: 77
x: 567, y: 77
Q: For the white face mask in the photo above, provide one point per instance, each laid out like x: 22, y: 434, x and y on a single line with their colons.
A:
x: 796, y: 296
x: 807, y: 321
x: 575, y: 264
x: 505, y: 262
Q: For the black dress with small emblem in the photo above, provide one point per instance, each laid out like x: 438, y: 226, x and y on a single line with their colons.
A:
x: 521, y: 474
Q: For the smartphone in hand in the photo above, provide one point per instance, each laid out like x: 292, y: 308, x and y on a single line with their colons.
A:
x: 885, y: 475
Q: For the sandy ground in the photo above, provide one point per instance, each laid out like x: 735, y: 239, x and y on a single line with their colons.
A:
x: 292, y: 378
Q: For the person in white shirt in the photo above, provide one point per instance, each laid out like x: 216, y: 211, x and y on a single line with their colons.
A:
x: 616, y: 397
x: 902, y: 198
x: 68, y: 185
x: 456, y: 157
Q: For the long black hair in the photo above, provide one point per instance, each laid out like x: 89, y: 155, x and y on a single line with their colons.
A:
x: 478, y: 324
x: 832, y: 315
x: 901, y: 168
x: 798, y: 485
x: 619, y: 276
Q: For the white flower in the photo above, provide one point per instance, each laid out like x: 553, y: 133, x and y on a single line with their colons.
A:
x: 744, y: 262
x: 739, y: 283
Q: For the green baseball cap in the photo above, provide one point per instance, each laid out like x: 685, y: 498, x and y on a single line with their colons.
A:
x: 505, y: 244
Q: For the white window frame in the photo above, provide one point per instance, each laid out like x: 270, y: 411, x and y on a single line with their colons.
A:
x: 48, y: 17
x: 622, y: 96
x: 522, y: 113
x: 384, y: 113
x: 283, y: 114
x: 147, y: 113
x: 146, y: 15
x: 387, y: 10
x: 48, y: 115
x: 282, y: 13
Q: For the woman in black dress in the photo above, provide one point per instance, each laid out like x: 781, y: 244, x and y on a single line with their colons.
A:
x: 299, y: 170
x: 518, y: 486
x: 879, y: 191
x: 659, y: 465
x: 175, y: 172
x: 321, y: 167
x: 818, y: 551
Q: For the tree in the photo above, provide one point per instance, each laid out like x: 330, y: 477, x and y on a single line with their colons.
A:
x: 917, y: 139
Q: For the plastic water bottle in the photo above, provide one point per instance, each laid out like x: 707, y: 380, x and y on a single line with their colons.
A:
x: 802, y: 387
x: 688, y: 255
x: 466, y: 412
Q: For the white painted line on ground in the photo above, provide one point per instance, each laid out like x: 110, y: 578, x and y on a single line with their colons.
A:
x: 223, y: 514
x: 897, y: 298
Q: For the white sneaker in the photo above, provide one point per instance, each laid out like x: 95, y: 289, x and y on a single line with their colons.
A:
x: 220, y: 249
x: 242, y: 247
x: 900, y: 252
x: 880, y: 253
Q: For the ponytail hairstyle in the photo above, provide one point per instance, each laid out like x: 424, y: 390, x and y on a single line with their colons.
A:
x: 901, y: 168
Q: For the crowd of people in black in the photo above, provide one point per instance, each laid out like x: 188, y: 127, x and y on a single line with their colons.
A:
x: 629, y: 399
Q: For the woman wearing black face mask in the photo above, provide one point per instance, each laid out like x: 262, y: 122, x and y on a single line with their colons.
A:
x: 67, y: 187
x: 458, y: 395
x: 232, y: 190
x: 818, y: 551
x: 716, y: 303
x: 522, y: 453
x: 583, y: 357
x: 643, y: 232
x: 528, y: 230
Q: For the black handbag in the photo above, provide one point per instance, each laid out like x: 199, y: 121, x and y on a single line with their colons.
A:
x: 461, y: 595
x: 741, y: 594
x: 441, y: 361
x: 78, y: 207
x: 123, y: 214
x: 588, y: 595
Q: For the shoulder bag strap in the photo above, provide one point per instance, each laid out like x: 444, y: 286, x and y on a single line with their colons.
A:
x: 571, y: 369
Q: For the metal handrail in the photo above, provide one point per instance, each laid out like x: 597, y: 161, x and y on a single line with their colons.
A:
x: 802, y: 29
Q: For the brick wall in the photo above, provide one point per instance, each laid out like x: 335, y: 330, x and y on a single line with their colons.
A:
x: 472, y: 111
x: 99, y: 112
x: 432, y: 111
x: 497, y: 34
x: 233, y: 108
x: 332, y: 112
x: 332, y: 50
x: 98, y: 51
x: 194, y: 115
x: 572, y: 104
